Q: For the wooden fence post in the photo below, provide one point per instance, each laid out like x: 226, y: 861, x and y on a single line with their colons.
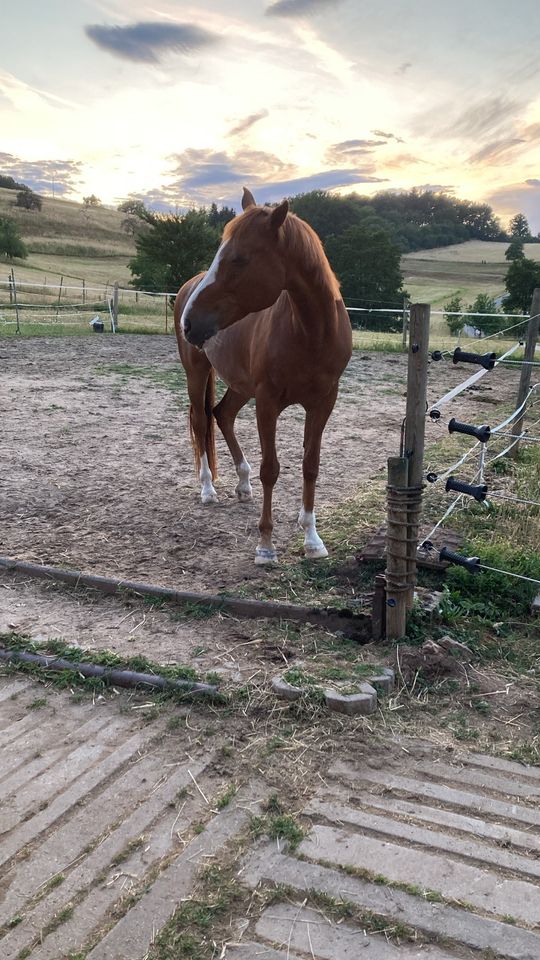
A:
x: 526, y: 369
x: 415, y: 427
x: 115, y: 306
x: 166, y: 314
x: 405, y: 324
x: 396, y: 548
x: 14, y: 288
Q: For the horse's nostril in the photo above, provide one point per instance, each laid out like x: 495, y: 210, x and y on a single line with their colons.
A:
x: 187, y: 326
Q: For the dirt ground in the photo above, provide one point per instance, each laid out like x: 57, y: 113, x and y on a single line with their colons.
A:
x: 96, y: 474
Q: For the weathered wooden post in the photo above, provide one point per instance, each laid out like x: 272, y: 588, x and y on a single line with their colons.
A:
x: 405, y: 482
x: 397, y: 583
x: 59, y: 296
x: 526, y: 369
x: 405, y: 324
x: 14, y: 288
x: 166, y: 314
x: 415, y: 428
x: 115, y: 306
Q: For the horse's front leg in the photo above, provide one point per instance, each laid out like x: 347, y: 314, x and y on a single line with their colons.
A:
x: 267, y: 415
x: 316, y: 420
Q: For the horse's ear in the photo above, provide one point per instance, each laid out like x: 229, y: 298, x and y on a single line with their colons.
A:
x: 248, y: 200
x: 279, y: 215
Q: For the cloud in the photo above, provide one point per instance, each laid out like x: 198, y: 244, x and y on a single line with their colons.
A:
x: 497, y: 150
x: 248, y: 122
x: 39, y: 175
x: 206, y: 176
x: 147, y: 42
x: 518, y: 198
x: 403, y: 67
x: 298, y: 8
x: 403, y: 160
x: 485, y: 119
x: 436, y: 187
x: 387, y: 136
x: 351, y: 151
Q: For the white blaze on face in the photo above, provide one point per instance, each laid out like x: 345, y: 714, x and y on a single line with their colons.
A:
x: 205, y: 282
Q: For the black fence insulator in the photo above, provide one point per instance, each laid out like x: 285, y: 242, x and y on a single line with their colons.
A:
x: 485, y: 360
x: 481, y: 433
x: 432, y: 477
x: 472, y: 564
x: 437, y: 355
x: 478, y: 491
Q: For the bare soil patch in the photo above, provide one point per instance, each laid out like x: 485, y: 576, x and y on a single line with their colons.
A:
x: 96, y: 473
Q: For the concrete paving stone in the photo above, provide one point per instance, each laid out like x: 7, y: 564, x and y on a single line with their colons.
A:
x: 13, y: 690
x: 519, y: 770
x: 17, y: 728
x: 57, y: 853
x: 28, y: 769
x: 483, y: 888
x: 30, y: 829
x: 508, y: 813
x: 501, y: 835
x: 434, y: 839
x: 437, y: 919
x: 510, y: 787
x: 132, y: 936
x: 257, y: 951
x: 22, y: 750
x: 52, y: 782
x: 310, y: 932
x: 82, y: 878
x: 364, y: 702
x: 285, y: 690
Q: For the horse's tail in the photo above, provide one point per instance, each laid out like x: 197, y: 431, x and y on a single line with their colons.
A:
x: 210, y: 437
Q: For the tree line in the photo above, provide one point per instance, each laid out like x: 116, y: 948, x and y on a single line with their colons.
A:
x: 364, y: 239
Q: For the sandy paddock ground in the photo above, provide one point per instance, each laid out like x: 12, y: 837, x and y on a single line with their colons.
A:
x: 96, y: 474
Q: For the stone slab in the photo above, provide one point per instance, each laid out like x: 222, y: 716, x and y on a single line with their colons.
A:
x: 310, y: 932
x: 503, y: 836
x: 427, y: 790
x: 519, y: 770
x: 483, y: 888
x: 132, y: 936
x: 494, y: 781
x: 258, y: 951
x: 467, y: 848
x: 437, y: 919
x: 93, y: 907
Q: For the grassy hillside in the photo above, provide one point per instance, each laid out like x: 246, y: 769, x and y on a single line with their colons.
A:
x: 69, y: 240
x: 477, y: 266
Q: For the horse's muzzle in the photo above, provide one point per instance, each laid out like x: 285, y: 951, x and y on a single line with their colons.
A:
x: 198, y: 333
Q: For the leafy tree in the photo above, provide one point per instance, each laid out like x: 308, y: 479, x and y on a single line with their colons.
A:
x: 29, y: 200
x: 454, y: 306
x: 8, y: 183
x: 486, y: 304
x: 367, y: 264
x: 11, y: 243
x: 515, y: 251
x: 91, y: 201
x: 175, y: 249
x: 218, y: 218
x: 519, y: 227
x: 522, y: 277
x: 329, y: 215
x: 134, y: 208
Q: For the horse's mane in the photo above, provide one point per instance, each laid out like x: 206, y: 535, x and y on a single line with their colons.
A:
x: 300, y: 240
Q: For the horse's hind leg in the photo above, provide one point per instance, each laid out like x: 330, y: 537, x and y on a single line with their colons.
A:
x: 225, y: 414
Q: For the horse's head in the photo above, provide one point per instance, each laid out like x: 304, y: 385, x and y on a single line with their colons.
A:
x: 246, y: 275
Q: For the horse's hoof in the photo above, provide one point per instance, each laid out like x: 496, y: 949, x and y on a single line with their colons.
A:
x: 208, y: 498
x: 265, y: 557
x: 244, y: 496
x: 316, y: 553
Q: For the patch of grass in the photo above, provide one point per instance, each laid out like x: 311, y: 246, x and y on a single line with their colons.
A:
x: 70, y: 678
x: 38, y: 703
x: 225, y: 798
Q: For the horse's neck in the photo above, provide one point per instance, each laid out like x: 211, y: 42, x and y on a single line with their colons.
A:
x: 314, y: 303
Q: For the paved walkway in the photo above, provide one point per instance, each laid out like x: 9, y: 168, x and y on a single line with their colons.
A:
x: 100, y: 841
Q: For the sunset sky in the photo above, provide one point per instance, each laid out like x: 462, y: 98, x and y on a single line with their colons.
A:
x: 182, y: 104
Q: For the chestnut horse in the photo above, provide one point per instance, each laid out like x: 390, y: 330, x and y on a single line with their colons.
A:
x: 269, y: 319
